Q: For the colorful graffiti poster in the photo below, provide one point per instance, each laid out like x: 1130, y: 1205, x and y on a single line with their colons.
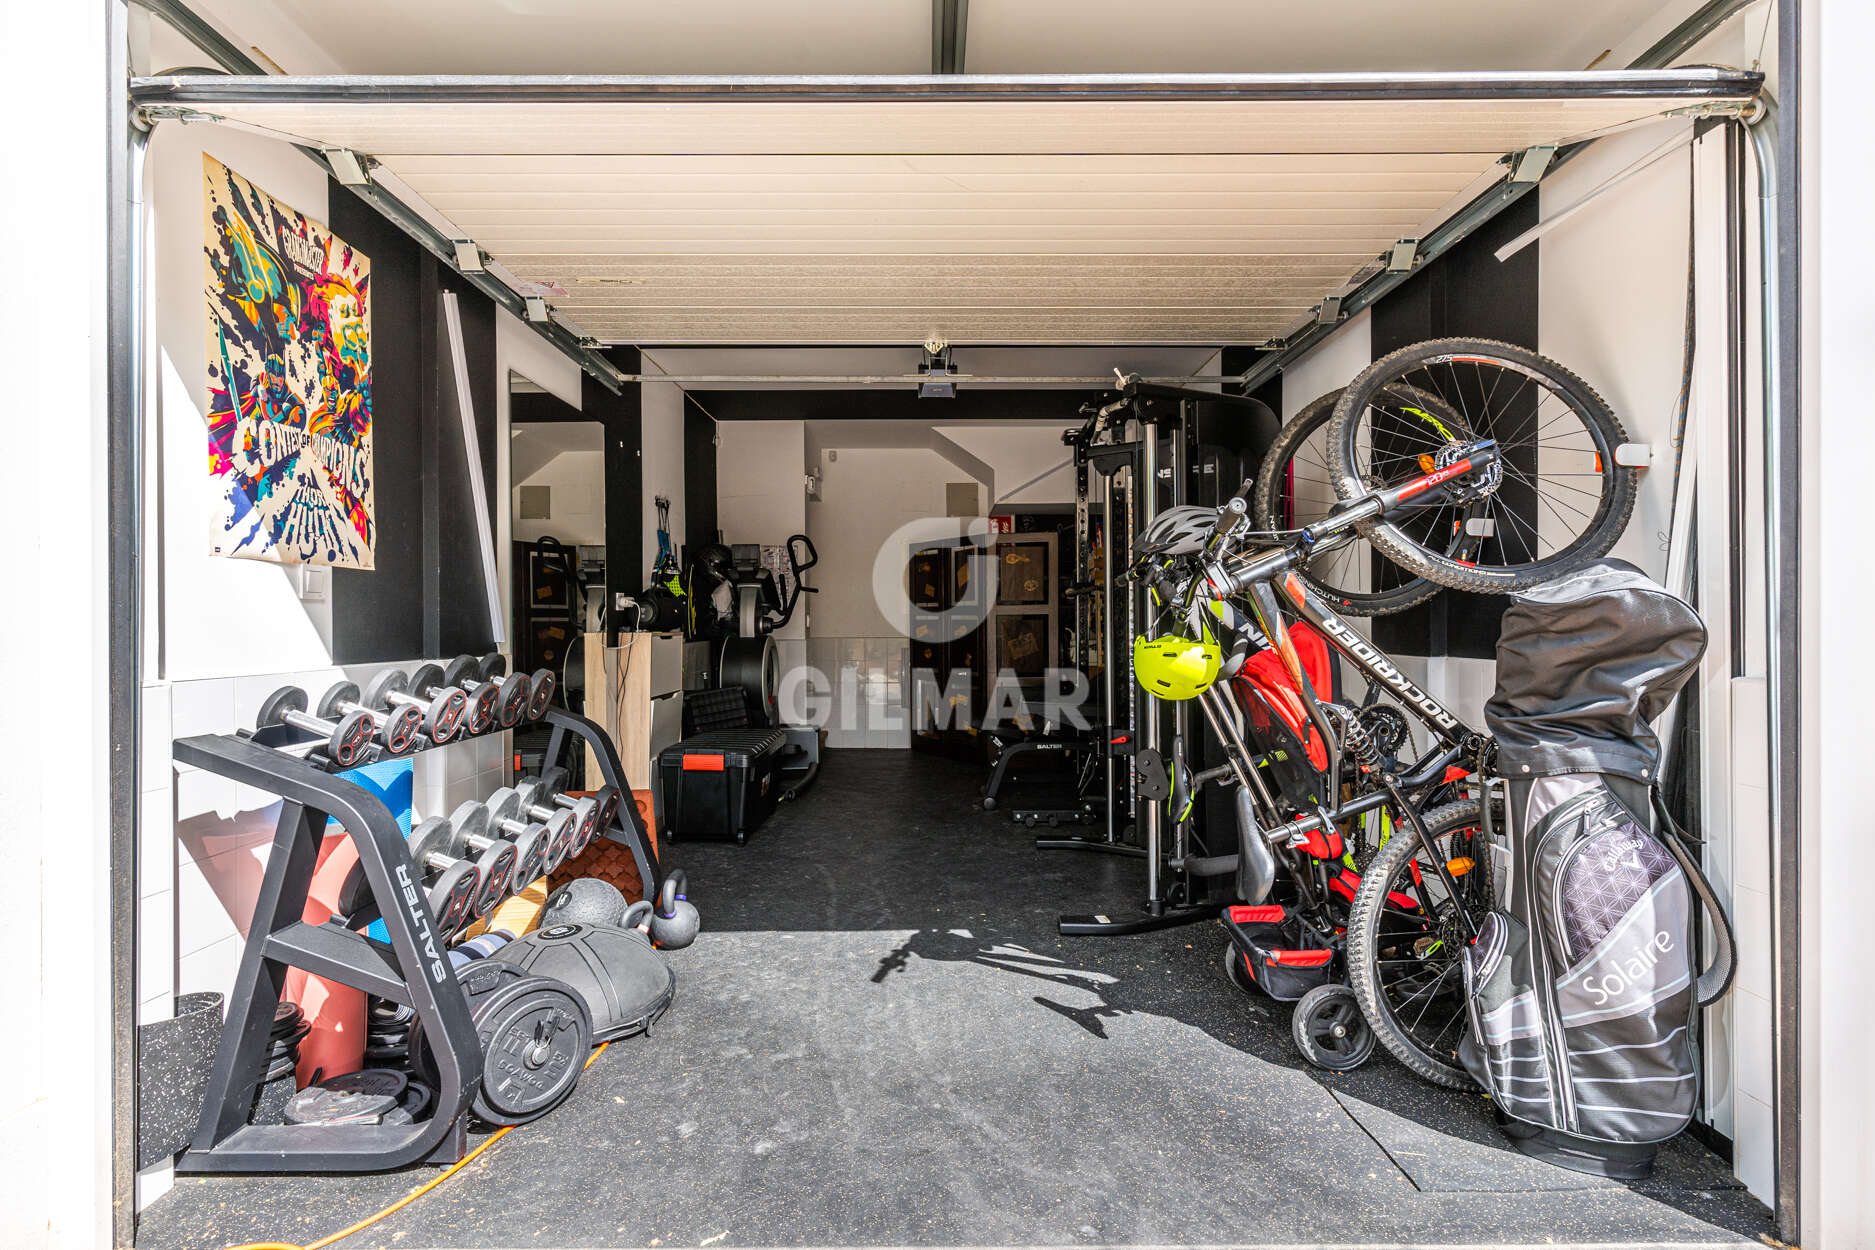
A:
x: 289, y: 381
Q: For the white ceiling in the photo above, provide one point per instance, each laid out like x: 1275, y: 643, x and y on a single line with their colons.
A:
x: 894, y: 36
x: 887, y: 220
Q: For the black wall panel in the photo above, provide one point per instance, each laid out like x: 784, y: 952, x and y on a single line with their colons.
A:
x: 622, y: 416
x: 1467, y: 291
x: 378, y: 615
x: 700, y: 520
x: 425, y: 596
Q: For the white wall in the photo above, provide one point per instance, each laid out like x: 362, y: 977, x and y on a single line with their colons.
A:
x: 219, y: 617
x: 576, y: 500
x: 662, y: 407
x: 55, y: 1110
x: 1019, y: 453
x: 1838, y: 441
x: 866, y: 495
x: 761, y: 497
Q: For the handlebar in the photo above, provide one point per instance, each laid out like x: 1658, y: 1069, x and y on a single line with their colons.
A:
x: 1222, y: 579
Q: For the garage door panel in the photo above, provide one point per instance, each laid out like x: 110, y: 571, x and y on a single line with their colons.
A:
x: 866, y: 210
x: 919, y: 127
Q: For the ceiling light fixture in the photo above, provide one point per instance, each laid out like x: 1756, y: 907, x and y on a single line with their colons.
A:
x: 937, y: 375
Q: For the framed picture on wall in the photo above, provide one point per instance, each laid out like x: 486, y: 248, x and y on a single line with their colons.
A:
x: 289, y: 381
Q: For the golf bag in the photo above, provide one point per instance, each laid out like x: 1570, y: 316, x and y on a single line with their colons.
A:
x: 1583, y: 988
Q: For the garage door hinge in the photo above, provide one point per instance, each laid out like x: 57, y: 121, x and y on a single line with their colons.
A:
x: 1747, y: 109
x: 1405, y: 252
x: 175, y: 113
x: 1328, y: 312
x: 1533, y: 163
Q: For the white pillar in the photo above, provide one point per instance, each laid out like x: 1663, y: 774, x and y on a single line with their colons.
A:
x: 55, y: 1106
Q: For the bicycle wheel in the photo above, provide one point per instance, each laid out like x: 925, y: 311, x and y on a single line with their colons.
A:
x: 1555, y: 500
x: 1405, y: 945
x: 1295, y: 487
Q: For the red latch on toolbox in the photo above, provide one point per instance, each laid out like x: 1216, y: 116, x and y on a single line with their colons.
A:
x: 703, y: 763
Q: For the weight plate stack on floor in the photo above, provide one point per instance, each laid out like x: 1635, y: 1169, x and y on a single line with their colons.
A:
x: 535, y: 1034
x: 363, y: 1097
x: 387, y: 1034
x: 277, y: 1083
x: 626, y: 984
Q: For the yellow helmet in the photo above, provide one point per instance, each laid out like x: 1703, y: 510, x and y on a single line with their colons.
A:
x: 1171, y: 667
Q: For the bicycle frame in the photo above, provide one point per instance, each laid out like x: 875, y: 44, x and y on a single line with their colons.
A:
x: 1259, y: 577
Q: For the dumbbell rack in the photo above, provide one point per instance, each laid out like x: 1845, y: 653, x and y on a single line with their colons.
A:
x: 413, y: 968
x: 629, y: 828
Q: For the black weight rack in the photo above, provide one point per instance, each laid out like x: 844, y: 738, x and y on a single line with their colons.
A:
x: 413, y: 968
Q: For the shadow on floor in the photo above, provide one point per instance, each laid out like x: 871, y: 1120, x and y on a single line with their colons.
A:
x: 972, y: 889
x: 882, y: 1039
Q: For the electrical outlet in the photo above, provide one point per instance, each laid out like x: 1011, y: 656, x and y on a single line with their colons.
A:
x: 315, y: 583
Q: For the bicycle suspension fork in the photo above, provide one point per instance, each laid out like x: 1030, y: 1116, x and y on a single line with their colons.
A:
x: 1437, y: 858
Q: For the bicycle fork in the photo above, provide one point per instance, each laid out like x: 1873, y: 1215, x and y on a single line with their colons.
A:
x: 1465, y: 926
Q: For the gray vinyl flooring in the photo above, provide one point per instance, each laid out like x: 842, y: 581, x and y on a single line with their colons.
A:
x: 881, y: 1040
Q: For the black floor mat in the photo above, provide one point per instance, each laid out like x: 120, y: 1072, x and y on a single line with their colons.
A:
x: 881, y: 1040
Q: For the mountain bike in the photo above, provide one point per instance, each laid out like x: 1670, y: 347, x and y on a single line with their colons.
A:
x: 1386, y: 849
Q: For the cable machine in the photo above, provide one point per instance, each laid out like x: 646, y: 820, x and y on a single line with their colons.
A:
x: 1141, y: 448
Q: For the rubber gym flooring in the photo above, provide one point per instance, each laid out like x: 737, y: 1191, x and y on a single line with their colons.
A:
x: 881, y: 1040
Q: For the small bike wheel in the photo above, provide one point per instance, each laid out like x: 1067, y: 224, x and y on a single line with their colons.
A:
x: 1295, y: 488
x: 1234, y: 968
x: 1329, y: 1029
x: 1555, y: 500
x: 1405, y: 943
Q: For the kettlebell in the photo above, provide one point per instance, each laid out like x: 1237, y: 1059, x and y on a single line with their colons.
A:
x: 674, y: 922
x: 637, y: 918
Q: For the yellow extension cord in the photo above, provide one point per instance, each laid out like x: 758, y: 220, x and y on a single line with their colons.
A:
x: 408, y: 1198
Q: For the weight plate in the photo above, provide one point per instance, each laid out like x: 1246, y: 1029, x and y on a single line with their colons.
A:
x: 331, y: 703
x: 453, y: 896
x: 426, y: 680
x: 369, y: 1081
x: 534, y: 1044
x: 461, y: 669
x: 562, y: 831
x: 318, y: 1105
x: 445, y: 719
x: 411, y: 1106
x: 285, y: 699
x: 497, y: 877
x: 493, y: 665
x: 401, y: 730
x: 379, y: 688
x: 351, y: 738
x: 482, y: 707
x: 551, y: 783
x: 540, y: 696
x: 530, y: 856
x: 535, y: 1034
x: 585, y: 824
x: 512, y: 705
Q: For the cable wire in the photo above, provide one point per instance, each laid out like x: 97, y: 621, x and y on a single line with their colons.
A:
x: 408, y: 1198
